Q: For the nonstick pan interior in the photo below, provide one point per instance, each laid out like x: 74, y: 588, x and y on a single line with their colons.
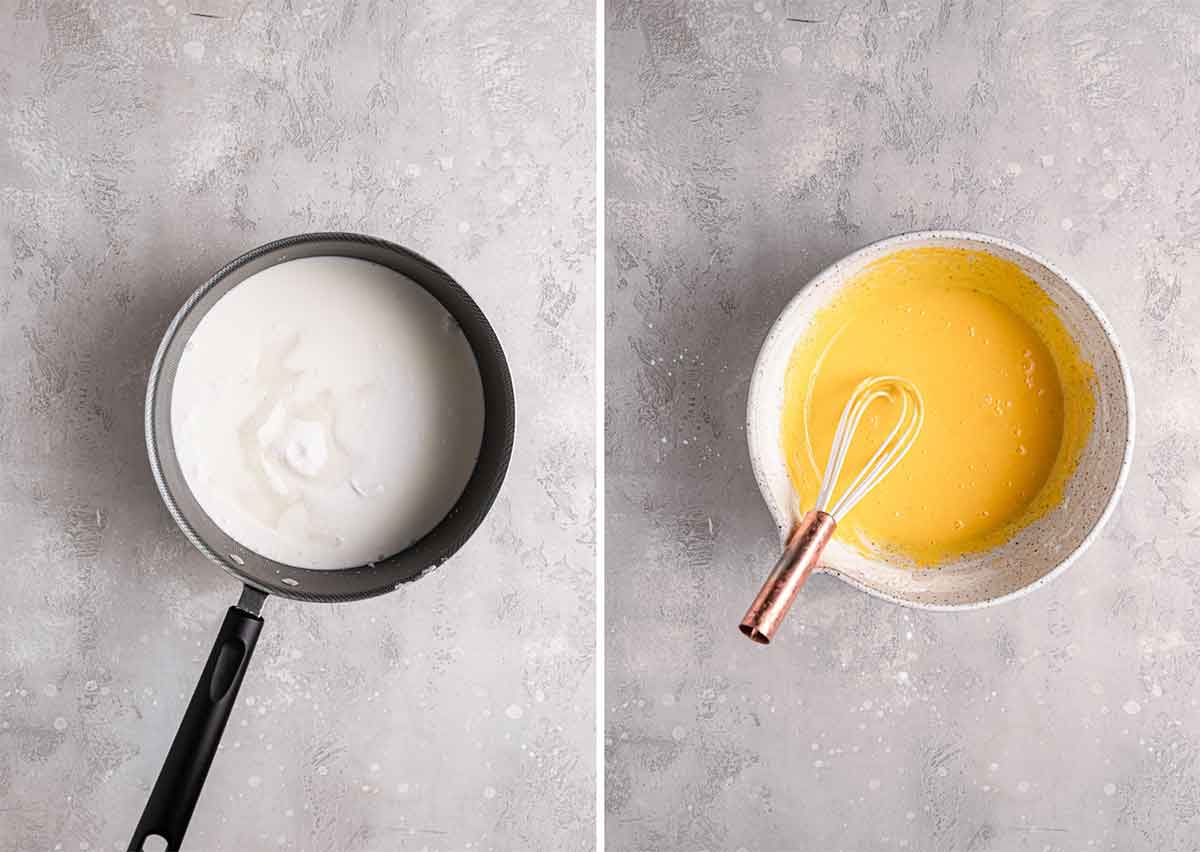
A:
x: 364, y: 580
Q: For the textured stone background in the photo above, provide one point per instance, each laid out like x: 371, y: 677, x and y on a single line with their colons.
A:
x: 745, y: 152
x: 142, y: 146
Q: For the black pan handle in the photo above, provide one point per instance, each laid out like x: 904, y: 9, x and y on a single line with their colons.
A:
x: 182, y: 777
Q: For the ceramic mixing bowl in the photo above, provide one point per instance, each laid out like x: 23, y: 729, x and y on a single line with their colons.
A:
x: 1040, y: 551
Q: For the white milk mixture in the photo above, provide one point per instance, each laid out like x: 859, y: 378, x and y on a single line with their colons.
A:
x: 327, y: 412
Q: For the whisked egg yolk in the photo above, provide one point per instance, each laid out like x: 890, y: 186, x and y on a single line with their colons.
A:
x: 1008, y: 401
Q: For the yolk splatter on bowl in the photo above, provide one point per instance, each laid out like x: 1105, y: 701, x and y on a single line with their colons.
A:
x: 1009, y: 401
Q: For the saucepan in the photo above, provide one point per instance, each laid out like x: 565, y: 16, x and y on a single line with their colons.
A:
x: 1039, y: 552
x: 177, y: 790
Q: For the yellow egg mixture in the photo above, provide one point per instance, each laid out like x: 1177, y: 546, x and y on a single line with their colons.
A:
x: 1008, y: 402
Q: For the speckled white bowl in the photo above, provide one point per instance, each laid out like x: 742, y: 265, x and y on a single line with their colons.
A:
x: 1038, y: 553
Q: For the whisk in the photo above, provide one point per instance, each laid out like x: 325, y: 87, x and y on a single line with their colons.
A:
x: 816, y: 528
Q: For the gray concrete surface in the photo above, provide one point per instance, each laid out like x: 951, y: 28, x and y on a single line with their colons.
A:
x: 143, y: 145
x: 745, y: 152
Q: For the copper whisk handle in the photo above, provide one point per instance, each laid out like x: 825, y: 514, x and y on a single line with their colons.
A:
x: 800, y: 557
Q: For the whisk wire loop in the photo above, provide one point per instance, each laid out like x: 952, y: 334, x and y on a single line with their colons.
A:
x: 887, y: 455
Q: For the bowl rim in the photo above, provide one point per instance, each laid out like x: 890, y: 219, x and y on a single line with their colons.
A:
x: 758, y: 381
